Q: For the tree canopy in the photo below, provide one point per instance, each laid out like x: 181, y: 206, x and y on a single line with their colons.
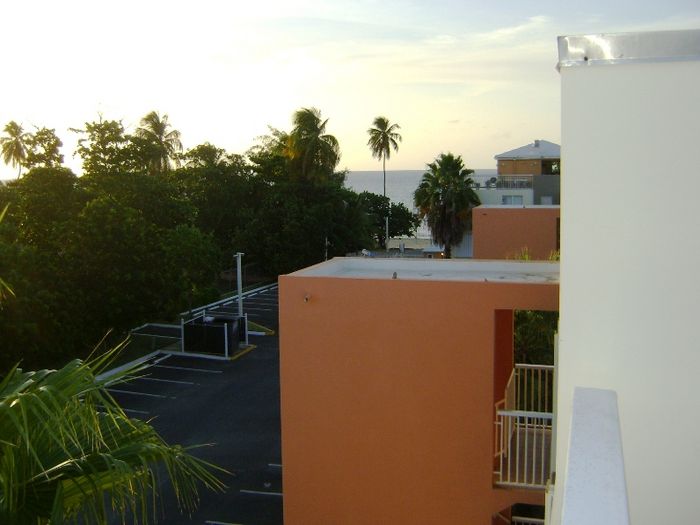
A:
x: 445, y: 197
x: 13, y: 145
x: 126, y: 244
x: 158, y: 142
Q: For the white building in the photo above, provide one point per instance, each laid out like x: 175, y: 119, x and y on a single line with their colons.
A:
x: 630, y: 287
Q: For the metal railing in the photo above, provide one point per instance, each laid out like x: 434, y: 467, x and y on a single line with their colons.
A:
x: 523, y: 428
x: 530, y: 388
x: 524, y: 520
x: 504, y: 182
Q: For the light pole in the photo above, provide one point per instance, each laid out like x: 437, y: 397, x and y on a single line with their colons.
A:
x: 239, y: 280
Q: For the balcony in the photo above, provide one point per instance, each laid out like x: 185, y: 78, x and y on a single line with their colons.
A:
x: 504, y: 182
x: 523, y: 428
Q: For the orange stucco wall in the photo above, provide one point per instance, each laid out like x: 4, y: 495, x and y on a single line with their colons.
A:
x: 387, y: 391
x: 501, y: 233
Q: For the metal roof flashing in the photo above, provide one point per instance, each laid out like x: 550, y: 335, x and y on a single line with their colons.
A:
x: 623, y: 48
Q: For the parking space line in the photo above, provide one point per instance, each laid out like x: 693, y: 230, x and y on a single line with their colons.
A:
x: 131, y: 392
x: 173, y: 381
x: 214, y: 522
x: 274, y: 465
x: 189, y: 369
x: 142, y: 412
x: 260, y: 492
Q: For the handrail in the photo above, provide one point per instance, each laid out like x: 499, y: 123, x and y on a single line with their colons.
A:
x: 525, y: 366
x: 526, y: 413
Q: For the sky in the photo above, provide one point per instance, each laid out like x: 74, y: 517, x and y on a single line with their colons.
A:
x: 471, y: 78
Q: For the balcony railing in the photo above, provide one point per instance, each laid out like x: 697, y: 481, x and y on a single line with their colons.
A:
x: 523, y: 428
x: 504, y: 182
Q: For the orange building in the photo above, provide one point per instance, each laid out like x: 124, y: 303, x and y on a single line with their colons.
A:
x: 390, y: 374
x: 503, y: 232
x: 539, y: 158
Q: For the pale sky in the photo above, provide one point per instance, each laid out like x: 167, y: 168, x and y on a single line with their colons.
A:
x: 473, y: 78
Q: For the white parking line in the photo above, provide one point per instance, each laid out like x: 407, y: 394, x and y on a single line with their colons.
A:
x: 213, y: 522
x: 274, y: 465
x: 131, y: 392
x: 173, y: 381
x: 143, y: 412
x: 260, y: 492
x: 189, y: 369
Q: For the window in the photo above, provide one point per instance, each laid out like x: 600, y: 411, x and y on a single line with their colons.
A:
x: 512, y: 199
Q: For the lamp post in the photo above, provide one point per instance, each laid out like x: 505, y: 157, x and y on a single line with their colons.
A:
x: 239, y: 280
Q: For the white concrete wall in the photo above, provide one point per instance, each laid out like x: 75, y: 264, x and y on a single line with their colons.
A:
x: 630, y: 273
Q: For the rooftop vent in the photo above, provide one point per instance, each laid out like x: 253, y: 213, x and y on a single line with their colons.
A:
x: 537, y: 143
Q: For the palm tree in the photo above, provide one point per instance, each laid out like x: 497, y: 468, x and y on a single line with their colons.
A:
x: 14, y: 149
x: 445, y: 198
x: 308, y: 145
x: 382, y: 139
x: 165, y: 142
x: 68, y: 452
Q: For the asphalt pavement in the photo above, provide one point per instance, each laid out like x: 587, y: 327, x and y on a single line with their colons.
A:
x: 232, y: 405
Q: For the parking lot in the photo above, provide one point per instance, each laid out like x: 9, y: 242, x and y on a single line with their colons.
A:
x: 232, y: 405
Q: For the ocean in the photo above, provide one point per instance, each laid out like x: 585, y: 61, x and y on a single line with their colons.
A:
x: 400, y: 185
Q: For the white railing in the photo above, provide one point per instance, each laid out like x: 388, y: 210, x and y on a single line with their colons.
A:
x: 530, y: 388
x: 523, y: 428
x: 523, y: 520
x: 522, y: 450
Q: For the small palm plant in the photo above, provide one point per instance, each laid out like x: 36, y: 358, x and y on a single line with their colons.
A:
x: 68, y: 452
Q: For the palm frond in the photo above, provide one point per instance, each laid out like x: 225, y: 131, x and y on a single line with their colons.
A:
x: 67, y: 449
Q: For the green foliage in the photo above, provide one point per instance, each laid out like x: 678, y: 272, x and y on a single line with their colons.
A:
x: 13, y: 146
x: 69, y: 453
x: 306, y: 154
x: 47, y: 198
x: 383, y: 137
x: 158, y: 143
x: 534, y: 336
x: 132, y: 241
x: 294, y: 221
x: 402, y: 222
x: 43, y: 149
x: 191, y: 260
x: 445, y: 199
x: 104, y: 148
x: 156, y: 197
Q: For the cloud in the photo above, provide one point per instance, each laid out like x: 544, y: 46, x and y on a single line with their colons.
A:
x: 506, y: 35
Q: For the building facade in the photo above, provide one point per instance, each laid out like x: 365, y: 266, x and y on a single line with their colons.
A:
x: 390, y: 374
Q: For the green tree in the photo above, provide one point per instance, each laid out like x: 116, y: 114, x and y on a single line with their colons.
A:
x: 401, y: 220
x: 69, y: 453
x: 114, y: 259
x: 312, y: 151
x: 384, y: 137
x: 104, y: 147
x: 191, y: 261
x: 209, y: 156
x: 161, y: 143
x: 445, y: 198
x: 14, y: 148
x: 43, y: 149
x: 47, y: 198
